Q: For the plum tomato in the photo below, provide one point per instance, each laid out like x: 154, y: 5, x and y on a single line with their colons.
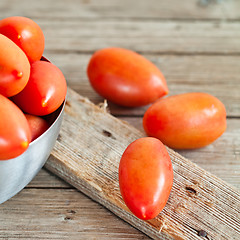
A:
x: 145, y: 177
x: 14, y: 68
x: 125, y: 77
x: 186, y: 121
x: 26, y: 34
x: 37, y: 125
x: 45, y: 90
x: 15, y: 133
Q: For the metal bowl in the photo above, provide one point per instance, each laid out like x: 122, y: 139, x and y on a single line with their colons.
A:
x: 17, y: 172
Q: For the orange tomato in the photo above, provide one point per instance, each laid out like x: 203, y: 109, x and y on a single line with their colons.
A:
x: 45, y: 90
x: 15, y: 134
x: 14, y: 68
x: 145, y: 177
x: 26, y: 34
x: 125, y: 77
x: 186, y: 121
x: 37, y: 125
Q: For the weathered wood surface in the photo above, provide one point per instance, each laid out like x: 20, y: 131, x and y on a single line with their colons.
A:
x: 198, y: 201
x: 173, y: 37
x: 150, y: 9
x: 76, y: 32
x: 60, y: 214
x: 196, y: 45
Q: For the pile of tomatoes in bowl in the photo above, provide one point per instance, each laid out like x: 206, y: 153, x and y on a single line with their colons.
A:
x: 31, y: 87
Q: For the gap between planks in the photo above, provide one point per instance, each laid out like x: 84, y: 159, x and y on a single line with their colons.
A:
x: 147, y: 52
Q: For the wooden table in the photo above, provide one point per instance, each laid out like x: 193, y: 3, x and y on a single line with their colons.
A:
x: 196, y: 44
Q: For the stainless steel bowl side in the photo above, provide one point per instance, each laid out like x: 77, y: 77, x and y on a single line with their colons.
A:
x: 16, y: 173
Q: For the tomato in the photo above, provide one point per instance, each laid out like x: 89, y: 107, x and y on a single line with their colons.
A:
x: 125, y: 77
x: 45, y: 91
x: 186, y: 121
x: 145, y: 177
x: 14, y: 130
x: 37, y: 125
x: 14, y: 68
x: 26, y: 34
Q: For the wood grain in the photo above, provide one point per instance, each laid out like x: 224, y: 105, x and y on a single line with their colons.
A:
x: 60, y: 214
x: 198, y: 201
x: 47, y: 180
x: 200, y: 37
x: 221, y: 158
x: 217, y: 75
x: 151, y: 9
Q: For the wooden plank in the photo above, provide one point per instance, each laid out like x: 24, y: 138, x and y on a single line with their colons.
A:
x: 220, y: 158
x: 153, y: 9
x: 60, y: 214
x: 198, y: 201
x: 191, y: 37
x: 217, y: 75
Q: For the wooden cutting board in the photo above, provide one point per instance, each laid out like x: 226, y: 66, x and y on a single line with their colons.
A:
x: 87, y: 155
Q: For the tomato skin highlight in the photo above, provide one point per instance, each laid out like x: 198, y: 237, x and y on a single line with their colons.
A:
x: 125, y: 77
x: 37, y: 125
x: 14, y: 68
x: 25, y: 33
x: 186, y: 121
x: 45, y: 90
x: 14, y: 130
x: 145, y: 177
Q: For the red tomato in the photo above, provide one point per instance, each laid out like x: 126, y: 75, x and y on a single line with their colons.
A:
x: 14, y: 130
x: 125, y: 77
x: 45, y: 91
x: 145, y: 177
x: 14, y: 68
x: 185, y: 121
x: 37, y: 125
x: 26, y: 34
